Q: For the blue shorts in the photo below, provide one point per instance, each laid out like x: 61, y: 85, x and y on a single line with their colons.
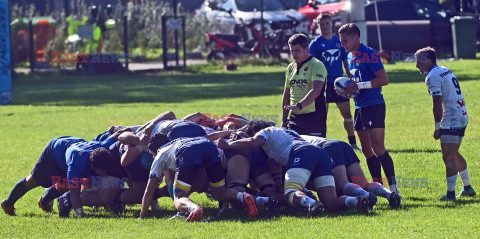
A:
x: 45, y: 171
x: 185, y: 129
x: 137, y: 170
x: 117, y: 170
x: 310, y: 157
x: 256, y: 157
x: 103, y: 136
x: 370, y: 117
x: 341, y: 153
x: 195, y: 152
x: 332, y: 96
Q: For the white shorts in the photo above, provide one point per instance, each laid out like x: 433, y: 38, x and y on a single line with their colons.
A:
x: 451, y: 139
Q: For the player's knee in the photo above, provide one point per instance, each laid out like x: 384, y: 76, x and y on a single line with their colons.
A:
x: 180, y: 187
x: 295, y: 180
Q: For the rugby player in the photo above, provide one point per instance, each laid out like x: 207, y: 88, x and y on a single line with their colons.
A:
x: 368, y: 76
x: 303, y: 161
x: 327, y: 48
x: 451, y: 119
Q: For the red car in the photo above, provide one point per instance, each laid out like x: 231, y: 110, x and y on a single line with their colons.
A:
x: 313, y: 9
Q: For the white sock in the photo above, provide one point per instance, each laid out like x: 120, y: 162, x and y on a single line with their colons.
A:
x: 261, y: 200
x: 351, y: 202
x: 240, y: 196
x: 307, y: 202
x: 464, y: 177
x: 192, y: 207
x: 451, y: 183
x: 352, y: 189
x: 393, y: 188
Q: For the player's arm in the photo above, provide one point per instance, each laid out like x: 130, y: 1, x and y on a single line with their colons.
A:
x: 347, y: 69
x: 437, y: 114
x: 129, y: 156
x: 74, y: 188
x: 310, y: 97
x: 169, y: 115
x: 248, y: 143
x: 285, y: 102
x: 220, y: 134
x: 381, y: 79
x: 148, y: 196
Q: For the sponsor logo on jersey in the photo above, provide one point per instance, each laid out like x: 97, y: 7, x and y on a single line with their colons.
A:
x: 331, y: 56
x: 300, y: 84
x: 461, y: 103
x: 306, y: 69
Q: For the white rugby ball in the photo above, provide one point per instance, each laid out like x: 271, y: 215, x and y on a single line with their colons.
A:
x: 341, y: 83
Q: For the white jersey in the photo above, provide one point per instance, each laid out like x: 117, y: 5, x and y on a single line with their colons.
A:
x: 315, y: 140
x: 279, y: 142
x: 441, y: 81
x: 165, y: 159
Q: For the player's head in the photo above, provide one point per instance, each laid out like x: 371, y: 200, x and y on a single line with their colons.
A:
x: 298, y: 44
x: 101, y: 160
x: 350, y: 37
x: 426, y: 59
x: 256, y: 125
x: 324, y: 21
x: 156, y: 142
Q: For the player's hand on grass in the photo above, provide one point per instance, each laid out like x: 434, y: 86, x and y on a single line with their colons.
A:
x: 436, y: 134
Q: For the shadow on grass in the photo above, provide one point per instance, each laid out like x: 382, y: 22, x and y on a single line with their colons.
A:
x: 82, y: 89
x: 413, y: 150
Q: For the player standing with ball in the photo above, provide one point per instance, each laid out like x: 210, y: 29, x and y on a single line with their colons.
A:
x: 451, y: 119
x: 368, y: 75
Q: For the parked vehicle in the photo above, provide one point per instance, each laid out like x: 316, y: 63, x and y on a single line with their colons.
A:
x: 276, y: 16
x: 248, y: 43
x: 405, y: 25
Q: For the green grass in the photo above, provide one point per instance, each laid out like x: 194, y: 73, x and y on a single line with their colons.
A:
x: 47, y: 106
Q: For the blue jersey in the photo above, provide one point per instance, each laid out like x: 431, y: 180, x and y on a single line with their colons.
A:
x: 58, y: 148
x: 363, y: 63
x: 331, y: 53
x: 78, y: 153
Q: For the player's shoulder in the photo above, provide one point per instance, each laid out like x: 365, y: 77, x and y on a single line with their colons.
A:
x: 291, y: 65
x: 367, y: 49
x: 435, y: 73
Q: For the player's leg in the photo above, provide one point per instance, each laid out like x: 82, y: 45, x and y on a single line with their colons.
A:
x: 377, y: 139
x: 344, y: 108
x: 238, y: 169
x: 373, y: 163
x: 449, y: 151
x: 467, y: 189
x: 182, y: 185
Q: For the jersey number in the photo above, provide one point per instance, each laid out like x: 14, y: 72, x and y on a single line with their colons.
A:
x: 455, y: 83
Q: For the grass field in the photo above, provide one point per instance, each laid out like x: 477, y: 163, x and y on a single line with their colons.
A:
x: 47, y: 106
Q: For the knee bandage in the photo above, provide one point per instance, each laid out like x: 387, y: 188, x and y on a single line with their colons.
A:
x: 218, y: 184
x: 324, y: 181
x: 295, y: 180
x: 181, y: 186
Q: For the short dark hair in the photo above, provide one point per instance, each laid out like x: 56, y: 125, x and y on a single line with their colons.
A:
x: 157, y: 141
x: 324, y: 16
x: 299, y: 39
x: 426, y: 53
x: 101, y: 158
x: 350, y: 29
x: 256, y: 125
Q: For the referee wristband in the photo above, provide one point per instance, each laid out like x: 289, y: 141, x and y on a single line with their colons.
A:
x: 364, y: 85
x: 437, y: 126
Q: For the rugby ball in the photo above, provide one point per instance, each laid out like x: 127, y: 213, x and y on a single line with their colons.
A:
x: 340, y: 84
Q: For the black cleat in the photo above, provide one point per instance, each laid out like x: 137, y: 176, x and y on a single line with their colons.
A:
x: 315, y: 209
x: 372, y: 201
x: 362, y: 205
x: 64, y: 205
x: 395, y: 200
x: 271, y: 207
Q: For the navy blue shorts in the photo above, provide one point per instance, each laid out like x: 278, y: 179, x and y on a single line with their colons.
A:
x: 117, y: 170
x: 310, y: 157
x: 457, y: 132
x: 137, y: 171
x: 370, y: 117
x: 195, y: 152
x: 332, y: 96
x: 45, y: 171
x: 341, y: 153
x: 185, y: 129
